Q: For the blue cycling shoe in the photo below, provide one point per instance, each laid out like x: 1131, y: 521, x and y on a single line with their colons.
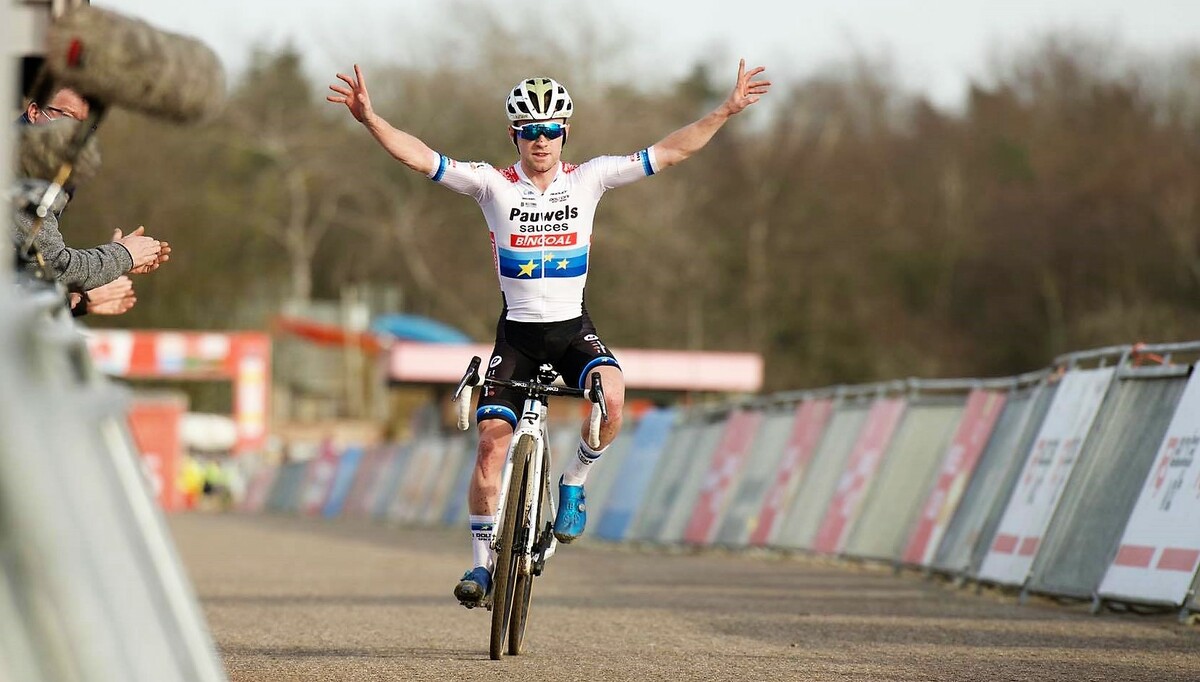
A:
x: 474, y: 587
x: 572, y: 512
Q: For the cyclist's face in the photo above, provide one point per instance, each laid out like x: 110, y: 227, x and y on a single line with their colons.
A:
x: 541, y: 154
x: 65, y: 103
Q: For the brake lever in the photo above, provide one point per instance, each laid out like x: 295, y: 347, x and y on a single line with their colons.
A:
x: 470, y: 378
x: 596, y: 395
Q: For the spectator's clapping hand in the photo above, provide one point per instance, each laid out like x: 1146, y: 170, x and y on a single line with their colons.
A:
x: 113, y: 298
x: 148, y: 253
x: 164, y: 255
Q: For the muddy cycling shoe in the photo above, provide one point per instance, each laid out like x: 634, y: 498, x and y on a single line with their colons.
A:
x: 572, y: 512
x: 474, y: 587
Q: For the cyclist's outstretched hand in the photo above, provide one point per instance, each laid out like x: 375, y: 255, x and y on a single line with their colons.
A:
x: 746, y: 91
x: 355, y: 96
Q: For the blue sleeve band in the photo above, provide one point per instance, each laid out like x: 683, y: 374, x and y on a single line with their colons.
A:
x: 441, y: 170
x: 646, y: 162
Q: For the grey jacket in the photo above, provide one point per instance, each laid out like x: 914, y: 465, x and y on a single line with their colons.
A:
x: 77, y: 269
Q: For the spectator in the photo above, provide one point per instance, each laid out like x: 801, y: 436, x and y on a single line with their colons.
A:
x: 64, y: 103
x: 79, y: 270
x: 83, y: 269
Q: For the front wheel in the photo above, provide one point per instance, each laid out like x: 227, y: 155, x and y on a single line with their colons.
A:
x: 520, y: 613
x: 524, y: 591
x: 510, y: 547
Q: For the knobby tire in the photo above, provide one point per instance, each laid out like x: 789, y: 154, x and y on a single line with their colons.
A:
x: 503, y: 582
x: 524, y: 583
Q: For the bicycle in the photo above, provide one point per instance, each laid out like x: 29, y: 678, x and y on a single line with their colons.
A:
x: 524, y: 538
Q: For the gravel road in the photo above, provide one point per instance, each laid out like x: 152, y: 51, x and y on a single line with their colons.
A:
x: 308, y: 599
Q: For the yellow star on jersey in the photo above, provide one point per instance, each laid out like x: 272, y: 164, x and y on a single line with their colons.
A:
x: 562, y: 264
x: 547, y: 258
x: 527, y: 269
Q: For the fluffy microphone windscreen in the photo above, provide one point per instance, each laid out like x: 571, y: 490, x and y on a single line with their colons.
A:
x: 43, y: 148
x: 128, y: 63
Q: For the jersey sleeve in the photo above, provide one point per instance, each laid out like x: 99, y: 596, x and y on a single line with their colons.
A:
x: 474, y: 179
x: 610, y: 172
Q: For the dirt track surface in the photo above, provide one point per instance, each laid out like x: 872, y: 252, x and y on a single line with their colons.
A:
x: 306, y: 599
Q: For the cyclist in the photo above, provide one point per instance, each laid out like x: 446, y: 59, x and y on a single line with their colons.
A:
x: 539, y: 211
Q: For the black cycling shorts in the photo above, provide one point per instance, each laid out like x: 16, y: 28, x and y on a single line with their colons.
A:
x: 572, y: 347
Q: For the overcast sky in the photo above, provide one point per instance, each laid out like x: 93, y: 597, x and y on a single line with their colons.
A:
x: 935, y: 44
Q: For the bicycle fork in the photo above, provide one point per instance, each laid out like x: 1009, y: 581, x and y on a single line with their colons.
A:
x: 537, y: 483
x: 544, y: 543
x: 547, y: 543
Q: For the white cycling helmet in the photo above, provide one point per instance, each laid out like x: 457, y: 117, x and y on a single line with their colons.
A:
x: 538, y: 99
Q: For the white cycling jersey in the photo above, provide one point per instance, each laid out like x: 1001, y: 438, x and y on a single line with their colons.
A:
x: 540, y: 241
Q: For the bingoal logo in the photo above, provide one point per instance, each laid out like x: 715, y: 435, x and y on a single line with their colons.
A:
x: 542, y: 240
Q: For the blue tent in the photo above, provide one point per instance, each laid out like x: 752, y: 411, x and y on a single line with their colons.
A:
x: 417, y: 328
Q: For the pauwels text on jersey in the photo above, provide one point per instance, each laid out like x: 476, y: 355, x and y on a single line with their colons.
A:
x: 526, y: 217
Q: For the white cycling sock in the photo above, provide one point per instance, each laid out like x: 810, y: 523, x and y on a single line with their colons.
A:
x: 579, y: 465
x: 482, y: 528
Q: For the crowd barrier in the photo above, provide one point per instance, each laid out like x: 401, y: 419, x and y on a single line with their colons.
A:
x: 961, y: 551
x: 889, y: 505
x: 634, y: 475
x: 741, y: 516
x: 1080, y: 481
x: 806, y: 424
x: 92, y: 588
x: 803, y: 515
x: 1083, y: 534
x: 1047, y: 467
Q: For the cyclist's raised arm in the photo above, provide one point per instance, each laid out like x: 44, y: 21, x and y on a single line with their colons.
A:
x: 690, y: 139
x: 407, y: 149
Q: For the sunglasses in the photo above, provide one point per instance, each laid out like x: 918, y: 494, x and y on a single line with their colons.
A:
x: 58, y: 113
x: 532, y: 131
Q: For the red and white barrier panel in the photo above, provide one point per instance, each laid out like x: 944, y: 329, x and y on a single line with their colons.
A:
x: 1160, y: 550
x: 811, y: 418
x: 978, y: 420
x: 727, y: 463
x: 856, y: 478
x: 1047, y: 469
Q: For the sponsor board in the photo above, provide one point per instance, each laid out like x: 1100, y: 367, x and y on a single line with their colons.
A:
x: 865, y: 458
x: 727, y: 463
x: 979, y: 419
x: 811, y: 418
x: 1047, y: 468
x: 1160, y: 549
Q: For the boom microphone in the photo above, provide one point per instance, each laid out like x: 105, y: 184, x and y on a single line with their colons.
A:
x: 43, y: 149
x: 118, y: 61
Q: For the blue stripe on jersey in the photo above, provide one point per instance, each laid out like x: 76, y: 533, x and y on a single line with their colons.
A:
x: 645, y: 154
x: 542, y: 252
x: 540, y: 263
x: 534, y: 267
x: 493, y: 411
x: 441, y: 170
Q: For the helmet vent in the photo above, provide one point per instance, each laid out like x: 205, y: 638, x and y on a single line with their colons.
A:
x: 538, y: 98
